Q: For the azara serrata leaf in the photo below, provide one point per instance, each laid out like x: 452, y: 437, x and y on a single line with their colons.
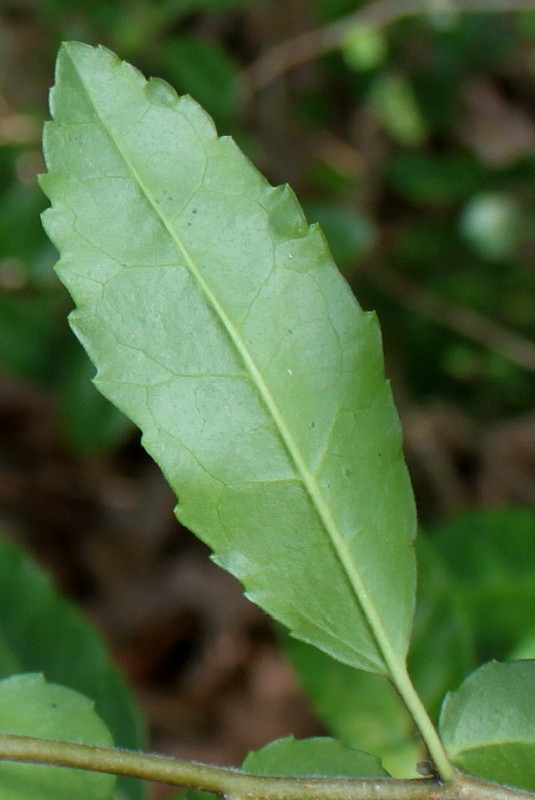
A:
x: 219, y: 323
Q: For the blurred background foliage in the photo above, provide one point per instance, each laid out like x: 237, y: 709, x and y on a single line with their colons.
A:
x: 409, y: 136
x: 407, y: 129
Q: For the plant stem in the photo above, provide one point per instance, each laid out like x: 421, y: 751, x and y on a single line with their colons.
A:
x: 421, y: 718
x: 397, y: 672
x: 241, y: 785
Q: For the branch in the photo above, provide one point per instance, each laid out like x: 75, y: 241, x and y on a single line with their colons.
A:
x: 241, y: 785
x: 301, y: 49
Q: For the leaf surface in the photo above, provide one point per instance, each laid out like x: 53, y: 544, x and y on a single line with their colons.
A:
x: 220, y: 325
x: 318, y: 756
x: 490, y: 555
x: 41, y: 631
x: 361, y: 709
x: 30, y: 706
x: 488, y: 724
x: 364, y: 710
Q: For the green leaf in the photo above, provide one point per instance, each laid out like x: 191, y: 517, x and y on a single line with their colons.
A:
x: 31, y: 707
x: 220, y: 325
x: 491, y: 561
x: 442, y: 648
x: 319, y: 756
x: 205, y: 70
x: 364, y: 710
x: 361, y: 709
x: 488, y: 724
x: 41, y: 631
x: 525, y: 648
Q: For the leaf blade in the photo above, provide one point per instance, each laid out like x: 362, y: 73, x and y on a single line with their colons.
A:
x: 30, y: 706
x: 318, y: 756
x: 40, y: 631
x: 363, y: 710
x: 268, y: 399
x: 488, y: 726
x: 490, y: 557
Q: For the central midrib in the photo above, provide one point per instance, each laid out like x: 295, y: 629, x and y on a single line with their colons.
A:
x: 308, y: 480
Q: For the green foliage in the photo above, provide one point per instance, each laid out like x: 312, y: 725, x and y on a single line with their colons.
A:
x: 34, y: 345
x: 258, y: 384
x: 26, y: 327
x: 361, y: 709
x: 490, y: 559
x: 364, y: 710
x: 31, y: 706
x: 204, y: 70
x: 251, y: 414
x: 413, y: 80
x: 488, y: 725
x: 41, y: 631
x: 218, y: 322
x: 318, y: 756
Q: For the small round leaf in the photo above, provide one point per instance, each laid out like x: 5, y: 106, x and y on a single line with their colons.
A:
x: 488, y: 724
x: 29, y: 706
